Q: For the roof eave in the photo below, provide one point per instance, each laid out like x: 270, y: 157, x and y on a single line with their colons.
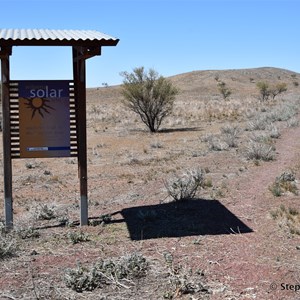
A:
x: 81, y: 43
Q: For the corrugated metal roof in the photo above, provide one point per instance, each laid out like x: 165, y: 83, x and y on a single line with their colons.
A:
x: 48, y: 36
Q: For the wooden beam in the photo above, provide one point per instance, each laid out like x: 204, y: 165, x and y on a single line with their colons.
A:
x: 79, y: 73
x: 5, y: 52
x: 7, y: 165
x: 88, y: 52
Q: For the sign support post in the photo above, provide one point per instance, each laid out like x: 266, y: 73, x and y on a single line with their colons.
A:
x: 80, y: 100
x: 7, y: 162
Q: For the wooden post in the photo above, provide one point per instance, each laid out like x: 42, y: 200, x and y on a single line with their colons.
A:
x: 7, y: 165
x: 80, y: 100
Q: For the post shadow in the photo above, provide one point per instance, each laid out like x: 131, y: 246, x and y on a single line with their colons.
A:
x: 187, y: 218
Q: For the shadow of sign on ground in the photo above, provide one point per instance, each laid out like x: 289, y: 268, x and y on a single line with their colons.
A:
x: 187, y: 218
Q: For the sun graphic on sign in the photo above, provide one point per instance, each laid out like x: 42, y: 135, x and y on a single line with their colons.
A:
x: 38, y: 105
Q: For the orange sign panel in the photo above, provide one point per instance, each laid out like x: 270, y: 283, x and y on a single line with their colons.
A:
x: 44, y: 117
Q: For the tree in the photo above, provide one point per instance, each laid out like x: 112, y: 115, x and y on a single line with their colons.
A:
x: 263, y: 88
x: 266, y: 91
x: 149, y: 95
x: 278, y: 89
x: 225, y: 92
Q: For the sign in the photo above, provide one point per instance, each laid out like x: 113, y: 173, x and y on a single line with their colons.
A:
x: 44, y: 119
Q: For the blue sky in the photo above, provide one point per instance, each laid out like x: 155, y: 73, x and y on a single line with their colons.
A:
x: 171, y: 36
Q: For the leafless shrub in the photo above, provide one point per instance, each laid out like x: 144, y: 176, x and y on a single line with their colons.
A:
x: 185, y: 187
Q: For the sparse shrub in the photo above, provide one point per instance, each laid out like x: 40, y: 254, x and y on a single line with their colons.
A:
x: 283, y: 113
x: 215, y: 143
x: 77, y: 237
x: 103, y: 220
x: 156, y: 145
x: 259, y: 123
x: 44, y: 212
x: 296, y: 83
x: 262, y: 137
x: 106, y: 218
x: 230, y: 135
x: 207, y: 183
x: 185, y: 187
x: 259, y: 151
x: 28, y: 233
x: 231, y: 129
x: 273, y: 131
x: 183, y: 281
x: 287, y: 176
x: 149, y: 95
x: 106, y: 272
x: 275, y: 189
x: 284, y: 183
x: 287, y: 218
x: 8, y: 246
x: 292, y: 122
x: 82, y: 279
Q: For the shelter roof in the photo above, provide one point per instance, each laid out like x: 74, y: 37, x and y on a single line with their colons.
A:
x: 49, y: 37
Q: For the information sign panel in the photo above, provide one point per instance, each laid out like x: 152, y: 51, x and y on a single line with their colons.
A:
x: 44, y: 119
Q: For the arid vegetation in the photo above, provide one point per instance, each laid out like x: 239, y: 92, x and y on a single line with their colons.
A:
x: 205, y: 208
